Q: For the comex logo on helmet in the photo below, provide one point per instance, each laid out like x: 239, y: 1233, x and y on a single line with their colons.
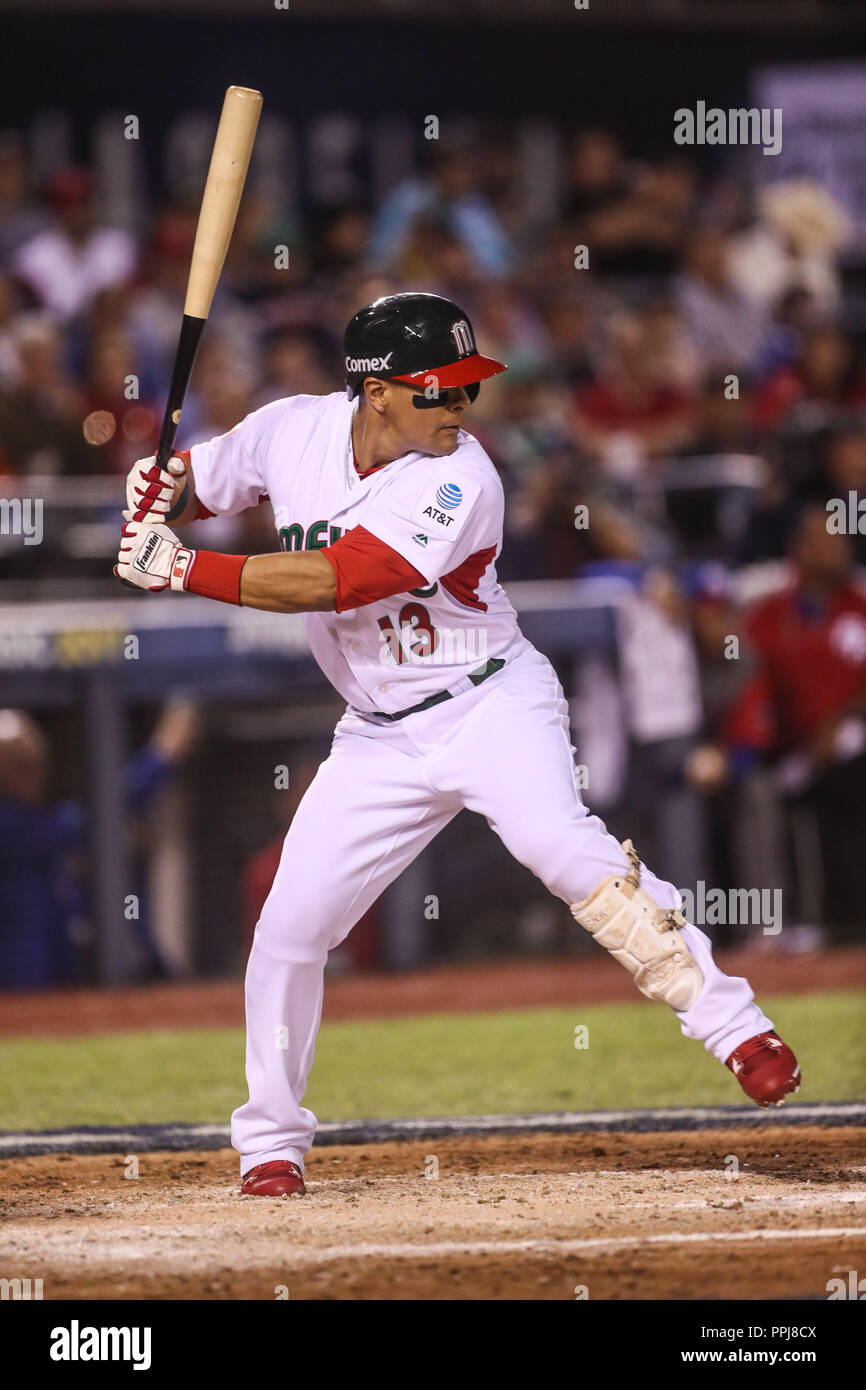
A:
x: 369, y: 364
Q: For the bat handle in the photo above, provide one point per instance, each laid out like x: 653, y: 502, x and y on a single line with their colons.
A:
x: 190, y: 334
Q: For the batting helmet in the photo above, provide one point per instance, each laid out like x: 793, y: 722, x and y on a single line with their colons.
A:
x: 413, y: 337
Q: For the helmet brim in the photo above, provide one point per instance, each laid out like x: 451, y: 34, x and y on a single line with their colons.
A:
x: 464, y: 372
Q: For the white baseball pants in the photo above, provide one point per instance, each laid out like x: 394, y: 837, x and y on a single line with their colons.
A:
x: 502, y: 749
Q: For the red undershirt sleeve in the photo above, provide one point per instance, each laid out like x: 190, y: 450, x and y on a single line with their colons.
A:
x: 369, y: 570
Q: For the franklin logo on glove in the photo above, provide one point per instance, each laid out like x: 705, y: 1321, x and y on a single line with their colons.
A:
x: 141, y: 560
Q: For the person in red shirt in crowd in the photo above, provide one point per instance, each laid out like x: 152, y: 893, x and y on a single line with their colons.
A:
x: 806, y: 705
x: 826, y: 375
x: 636, y: 408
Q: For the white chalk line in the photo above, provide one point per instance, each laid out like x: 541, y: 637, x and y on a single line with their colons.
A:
x: 444, y: 1249
x: 663, y: 1119
x: 133, y: 1251
x: 542, y: 1248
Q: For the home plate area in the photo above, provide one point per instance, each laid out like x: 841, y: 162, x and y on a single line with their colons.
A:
x: 774, y: 1211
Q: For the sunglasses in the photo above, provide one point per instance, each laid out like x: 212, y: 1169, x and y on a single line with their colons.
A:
x: 441, y: 397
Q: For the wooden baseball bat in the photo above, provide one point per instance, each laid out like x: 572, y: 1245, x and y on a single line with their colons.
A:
x: 229, y: 162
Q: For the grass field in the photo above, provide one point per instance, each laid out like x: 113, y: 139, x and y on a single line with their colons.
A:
x: 491, y: 1063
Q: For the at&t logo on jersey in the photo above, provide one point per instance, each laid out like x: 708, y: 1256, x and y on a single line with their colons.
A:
x: 442, y: 509
x: 449, y: 496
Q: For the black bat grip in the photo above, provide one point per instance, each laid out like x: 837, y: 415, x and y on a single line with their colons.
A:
x: 187, y: 346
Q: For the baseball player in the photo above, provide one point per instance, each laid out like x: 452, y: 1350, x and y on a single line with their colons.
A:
x: 389, y: 516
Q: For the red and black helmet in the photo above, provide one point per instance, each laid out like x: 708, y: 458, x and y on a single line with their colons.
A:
x: 415, y: 337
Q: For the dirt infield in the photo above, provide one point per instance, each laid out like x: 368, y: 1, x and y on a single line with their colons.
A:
x: 535, y: 1217
x: 524, y: 984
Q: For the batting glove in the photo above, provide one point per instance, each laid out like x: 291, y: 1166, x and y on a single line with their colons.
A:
x: 150, y: 490
x: 151, y: 556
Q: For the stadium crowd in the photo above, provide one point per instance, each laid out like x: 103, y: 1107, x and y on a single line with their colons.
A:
x: 686, y: 392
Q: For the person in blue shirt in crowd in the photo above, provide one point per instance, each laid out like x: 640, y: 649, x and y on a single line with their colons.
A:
x: 43, y: 908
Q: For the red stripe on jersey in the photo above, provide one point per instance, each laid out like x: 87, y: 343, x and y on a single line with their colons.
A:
x: 463, y: 582
x: 369, y: 570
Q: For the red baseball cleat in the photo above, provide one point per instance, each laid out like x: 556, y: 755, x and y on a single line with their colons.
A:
x: 275, y: 1179
x: 766, y: 1068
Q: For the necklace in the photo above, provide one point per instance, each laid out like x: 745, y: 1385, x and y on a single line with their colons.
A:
x: 351, y: 474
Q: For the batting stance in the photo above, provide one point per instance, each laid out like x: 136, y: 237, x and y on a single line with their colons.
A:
x: 390, y: 518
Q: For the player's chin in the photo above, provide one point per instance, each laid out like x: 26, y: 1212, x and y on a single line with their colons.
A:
x: 446, y: 440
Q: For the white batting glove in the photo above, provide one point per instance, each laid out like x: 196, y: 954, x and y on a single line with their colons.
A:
x: 151, y: 556
x: 149, y: 490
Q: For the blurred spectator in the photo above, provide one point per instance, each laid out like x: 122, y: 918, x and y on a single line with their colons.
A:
x: 43, y: 905
x: 567, y: 327
x: 825, y: 377
x: 8, y: 354
x: 793, y: 245
x: 157, y: 303
x: 20, y: 218
x: 596, y: 175
x: 671, y: 357
x: 562, y: 517
x: 41, y: 413
x: 795, y: 314
x: 723, y: 422
x: 449, y: 194
x: 113, y: 406
x: 635, y: 228
x: 726, y: 329
x: 500, y: 185
x: 68, y: 262
x: 661, y: 703
x: 253, y: 268
x: 842, y: 476
x: 811, y: 641
x: 509, y: 323
x: 715, y: 518
x: 339, y: 238
x: 807, y: 705
x: 745, y: 836
x: 293, y: 365
x: 630, y: 412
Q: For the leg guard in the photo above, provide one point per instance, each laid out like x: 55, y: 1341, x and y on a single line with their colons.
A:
x: 642, y: 936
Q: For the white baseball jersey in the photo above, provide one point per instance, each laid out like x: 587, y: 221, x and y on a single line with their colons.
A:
x: 442, y: 515
x: 388, y: 787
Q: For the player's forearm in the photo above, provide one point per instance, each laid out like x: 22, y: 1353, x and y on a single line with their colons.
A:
x: 185, y: 504
x: 304, y: 582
